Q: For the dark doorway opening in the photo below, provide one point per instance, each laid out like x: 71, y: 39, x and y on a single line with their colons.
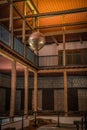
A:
x: 72, y: 99
x: 48, y: 99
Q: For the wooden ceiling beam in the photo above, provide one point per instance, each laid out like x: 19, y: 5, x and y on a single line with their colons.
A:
x: 32, y: 6
x: 64, y: 12
x: 8, y: 1
x: 62, y: 25
x: 19, y: 0
x: 62, y: 70
x: 22, y: 17
x: 7, y: 19
x: 54, y: 26
x: 28, y: 6
x: 83, y: 30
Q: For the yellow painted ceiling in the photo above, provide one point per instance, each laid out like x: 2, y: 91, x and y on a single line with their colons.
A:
x: 47, y: 6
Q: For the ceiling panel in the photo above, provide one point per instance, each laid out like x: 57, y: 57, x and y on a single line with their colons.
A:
x: 45, y: 6
x: 58, y: 5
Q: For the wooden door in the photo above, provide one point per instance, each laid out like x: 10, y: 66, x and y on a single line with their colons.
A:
x: 47, y: 99
x: 30, y: 99
x: 7, y: 99
x: 72, y: 99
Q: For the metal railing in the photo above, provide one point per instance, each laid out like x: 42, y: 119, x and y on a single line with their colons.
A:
x: 18, y: 46
x: 4, y: 35
x: 76, y: 58
x: 8, y: 122
x: 80, y: 124
x: 57, y: 60
x: 48, y: 61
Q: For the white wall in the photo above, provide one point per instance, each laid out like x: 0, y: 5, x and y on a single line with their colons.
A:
x: 53, y: 48
x: 73, y: 45
x: 48, y: 50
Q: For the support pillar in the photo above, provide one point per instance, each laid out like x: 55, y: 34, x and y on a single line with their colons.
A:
x: 13, y: 89
x: 64, y: 52
x: 24, y: 28
x: 35, y: 91
x: 65, y: 93
x: 65, y: 73
x: 26, y: 92
x: 64, y: 47
x: 11, y: 24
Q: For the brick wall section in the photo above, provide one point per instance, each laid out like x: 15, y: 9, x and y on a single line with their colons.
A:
x: 20, y: 82
x: 50, y: 82
x: 77, y: 81
x: 55, y: 82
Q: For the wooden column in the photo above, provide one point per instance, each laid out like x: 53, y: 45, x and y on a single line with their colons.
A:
x: 13, y: 89
x: 64, y: 52
x: 65, y: 73
x: 35, y: 91
x: 24, y: 28
x: 33, y: 20
x: 64, y: 47
x: 11, y: 24
x: 26, y: 92
x: 65, y: 92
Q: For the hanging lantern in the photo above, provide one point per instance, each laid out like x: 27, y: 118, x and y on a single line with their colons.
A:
x: 36, y: 41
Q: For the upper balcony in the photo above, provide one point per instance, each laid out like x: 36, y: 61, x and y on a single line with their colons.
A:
x: 18, y: 47
x: 73, y: 59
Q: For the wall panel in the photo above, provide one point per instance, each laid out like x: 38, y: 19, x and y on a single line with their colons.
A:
x: 59, y: 100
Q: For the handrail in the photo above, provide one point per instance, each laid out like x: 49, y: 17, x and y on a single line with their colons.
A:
x: 82, y: 121
x: 12, y: 119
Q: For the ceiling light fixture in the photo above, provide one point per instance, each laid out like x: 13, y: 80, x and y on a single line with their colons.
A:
x: 36, y: 41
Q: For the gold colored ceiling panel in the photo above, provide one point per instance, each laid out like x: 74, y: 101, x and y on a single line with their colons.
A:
x: 48, y: 23
x: 58, y: 5
x: 45, y: 6
x: 50, y: 20
x: 70, y: 18
x: 76, y: 17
